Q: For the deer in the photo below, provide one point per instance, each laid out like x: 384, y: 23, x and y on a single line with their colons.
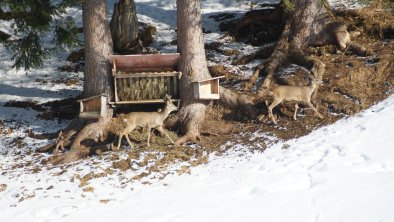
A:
x: 147, y: 120
x: 283, y: 93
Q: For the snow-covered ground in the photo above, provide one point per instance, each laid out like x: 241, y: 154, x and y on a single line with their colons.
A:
x: 341, y: 172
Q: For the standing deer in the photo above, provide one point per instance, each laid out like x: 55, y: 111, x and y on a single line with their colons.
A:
x: 147, y: 120
x: 301, y: 94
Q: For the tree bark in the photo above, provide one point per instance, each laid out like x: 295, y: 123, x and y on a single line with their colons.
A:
x: 97, y: 78
x: 98, y: 45
x: 308, y: 24
x: 124, y: 28
x: 193, y: 66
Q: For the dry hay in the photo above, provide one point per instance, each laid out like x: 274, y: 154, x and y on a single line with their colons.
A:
x: 132, y: 88
x: 370, y: 22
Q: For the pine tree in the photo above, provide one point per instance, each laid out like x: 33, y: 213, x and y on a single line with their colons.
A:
x: 30, y: 20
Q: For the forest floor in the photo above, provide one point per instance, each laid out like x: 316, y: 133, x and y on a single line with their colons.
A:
x: 44, y: 100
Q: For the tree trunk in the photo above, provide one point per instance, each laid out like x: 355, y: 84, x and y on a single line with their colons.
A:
x: 98, y: 45
x: 124, y: 28
x: 97, y: 78
x: 193, y: 66
x: 310, y: 23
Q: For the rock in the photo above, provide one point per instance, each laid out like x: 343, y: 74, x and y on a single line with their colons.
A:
x: 3, y: 187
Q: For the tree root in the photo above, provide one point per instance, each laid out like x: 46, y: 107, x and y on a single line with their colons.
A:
x: 263, y: 53
x: 71, y: 156
x: 74, y: 126
x: 252, y: 80
x: 242, y: 103
x: 359, y: 50
x: 190, y: 137
x: 97, y: 131
x: 41, y: 136
x: 189, y: 119
x: 210, y: 127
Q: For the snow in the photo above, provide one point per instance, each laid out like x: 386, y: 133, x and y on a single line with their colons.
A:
x: 340, y: 172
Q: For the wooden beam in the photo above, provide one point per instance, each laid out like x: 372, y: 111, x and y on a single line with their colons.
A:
x: 143, y: 101
x: 146, y: 61
x: 147, y: 74
x: 89, y: 115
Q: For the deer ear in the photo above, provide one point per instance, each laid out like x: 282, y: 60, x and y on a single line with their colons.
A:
x: 167, y: 98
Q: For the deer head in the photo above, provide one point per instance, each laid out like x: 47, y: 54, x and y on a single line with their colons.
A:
x: 169, y: 105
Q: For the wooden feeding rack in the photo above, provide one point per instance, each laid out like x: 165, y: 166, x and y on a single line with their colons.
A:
x: 93, y: 107
x: 142, y: 79
x: 207, y: 89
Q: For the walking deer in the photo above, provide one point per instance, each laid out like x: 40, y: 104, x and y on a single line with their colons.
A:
x: 291, y: 93
x: 147, y: 120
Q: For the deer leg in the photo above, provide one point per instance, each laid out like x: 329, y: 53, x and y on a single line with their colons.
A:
x: 295, y: 111
x: 162, y: 131
x: 314, y: 109
x: 119, y: 141
x: 262, y: 116
x: 128, y: 140
x: 148, y: 130
x: 273, y: 105
x: 126, y: 134
x: 266, y: 103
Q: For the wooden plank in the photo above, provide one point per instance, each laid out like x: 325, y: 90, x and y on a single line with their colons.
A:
x: 164, y: 87
x: 142, y: 88
x: 175, y: 86
x: 97, y: 104
x: 120, y: 88
x: 196, y: 91
x: 209, y: 96
x: 215, y: 86
x: 138, y: 89
x: 103, y: 106
x: 146, y: 61
x: 155, y: 88
x: 116, y: 89
x: 147, y: 74
x: 144, y: 101
x: 132, y: 89
x: 90, y: 115
x: 204, y: 88
x: 124, y: 89
x: 157, y: 69
x: 149, y: 88
x: 80, y: 106
x: 207, y: 80
x: 91, y: 98
x: 168, y: 80
x: 114, y: 67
